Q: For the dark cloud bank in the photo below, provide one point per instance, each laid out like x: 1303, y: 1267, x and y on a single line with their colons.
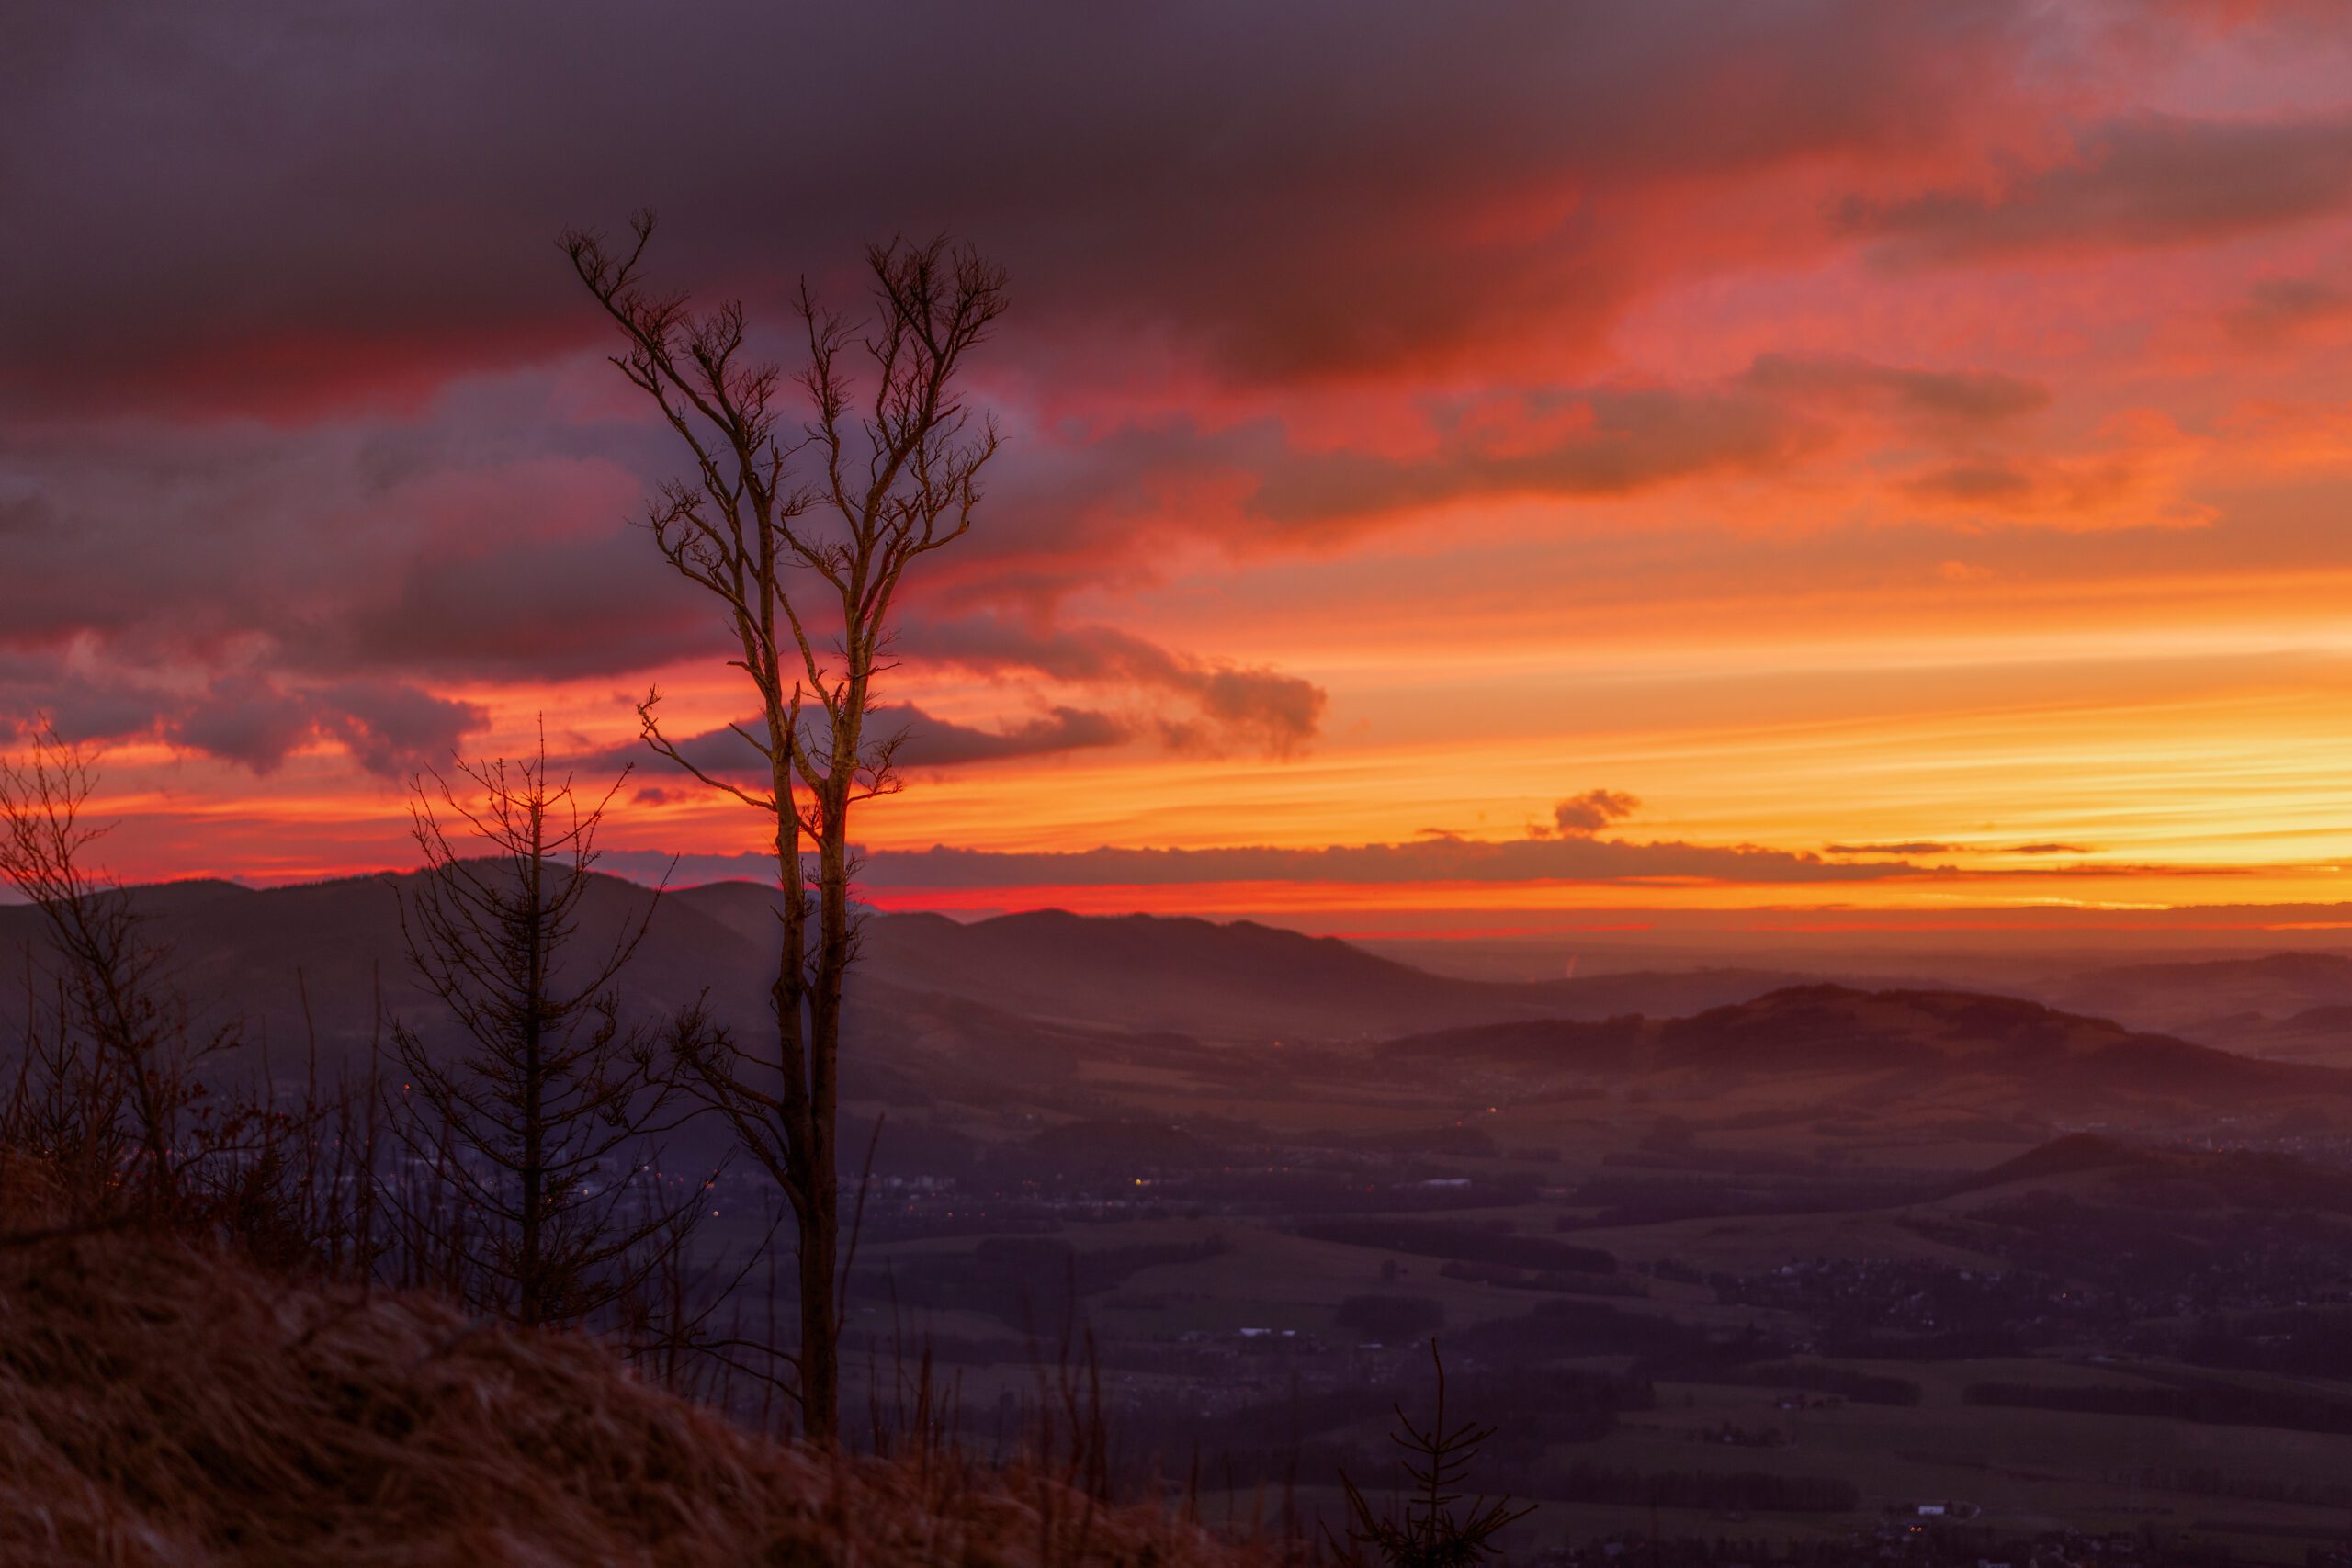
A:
x: 289, y: 443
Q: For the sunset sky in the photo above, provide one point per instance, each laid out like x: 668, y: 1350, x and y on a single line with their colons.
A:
x: 1469, y: 467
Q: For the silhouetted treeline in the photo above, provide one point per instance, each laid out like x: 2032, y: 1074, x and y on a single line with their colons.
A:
x: 2312, y: 1342
x: 2198, y: 1481
x: 2214, y: 1404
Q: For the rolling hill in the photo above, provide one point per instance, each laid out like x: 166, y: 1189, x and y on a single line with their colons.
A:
x: 250, y: 956
x: 2186, y: 996
x: 1823, y: 1043
x: 1228, y: 982
x: 1045, y: 1006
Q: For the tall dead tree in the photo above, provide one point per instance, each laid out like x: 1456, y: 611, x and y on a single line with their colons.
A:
x: 538, y: 1123
x: 804, y: 532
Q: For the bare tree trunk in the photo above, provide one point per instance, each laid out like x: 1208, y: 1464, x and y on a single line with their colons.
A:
x: 806, y: 568
x: 821, y: 1299
x: 819, y: 1353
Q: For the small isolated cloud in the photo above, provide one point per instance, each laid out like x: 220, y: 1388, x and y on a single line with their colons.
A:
x: 2047, y: 850
x: 1583, y: 815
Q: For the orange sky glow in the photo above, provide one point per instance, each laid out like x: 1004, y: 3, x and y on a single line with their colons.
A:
x: 1912, y: 447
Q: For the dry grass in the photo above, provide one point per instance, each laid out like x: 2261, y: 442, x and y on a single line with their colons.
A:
x: 163, y: 1404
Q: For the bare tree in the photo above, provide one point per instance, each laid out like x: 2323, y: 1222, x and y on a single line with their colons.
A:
x: 549, y: 1203
x: 804, y: 535
x: 102, y: 1086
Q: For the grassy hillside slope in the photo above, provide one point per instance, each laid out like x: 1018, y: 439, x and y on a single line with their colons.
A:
x: 163, y: 1405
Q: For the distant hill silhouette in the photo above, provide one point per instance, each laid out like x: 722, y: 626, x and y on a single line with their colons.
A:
x: 1026, y: 1004
x: 249, y: 957
x: 2113, y: 1169
x: 1222, y: 981
x: 1956, y: 1048
x: 2184, y: 995
x: 2070, y: 1155
x: 1012, y: 998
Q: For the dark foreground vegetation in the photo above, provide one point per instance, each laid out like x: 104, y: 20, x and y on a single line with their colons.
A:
x: 166, y: 1402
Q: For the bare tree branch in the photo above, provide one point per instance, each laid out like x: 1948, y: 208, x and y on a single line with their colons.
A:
x: 804, y: 539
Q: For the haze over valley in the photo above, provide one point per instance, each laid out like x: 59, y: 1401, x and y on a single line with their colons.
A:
x: 1856, y: 1240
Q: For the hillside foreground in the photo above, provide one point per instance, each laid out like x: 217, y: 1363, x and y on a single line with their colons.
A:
x: 163, y: 1405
